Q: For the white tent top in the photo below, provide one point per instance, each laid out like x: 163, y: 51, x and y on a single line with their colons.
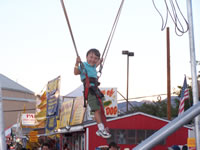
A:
x: 76, y: 93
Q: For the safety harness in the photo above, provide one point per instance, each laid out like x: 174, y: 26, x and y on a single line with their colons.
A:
x: 87, y: 81
x: 94, y: 90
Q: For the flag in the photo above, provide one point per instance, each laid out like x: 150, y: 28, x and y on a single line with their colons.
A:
x: 184, y: 96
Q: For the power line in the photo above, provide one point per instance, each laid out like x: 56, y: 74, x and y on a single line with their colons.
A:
x: 158, y: 95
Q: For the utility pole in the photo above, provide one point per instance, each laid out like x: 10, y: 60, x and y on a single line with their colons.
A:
x: 168, y: 77
x: 193, y: 71
x: 2, y: 132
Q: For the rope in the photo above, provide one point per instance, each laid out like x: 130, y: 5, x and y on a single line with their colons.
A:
x: 108, y: 43
x: 175, y: 9
x: 69, y: 26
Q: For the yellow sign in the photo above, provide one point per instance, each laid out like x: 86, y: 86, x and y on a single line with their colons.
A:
x: 33, y: 133
x: 78, y: 111
x: 65, y: 113
x: 191, y: 142
x: 33, y: 139
x: 33, y: 136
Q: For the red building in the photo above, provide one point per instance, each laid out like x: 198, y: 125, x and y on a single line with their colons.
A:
x: 127, y: 131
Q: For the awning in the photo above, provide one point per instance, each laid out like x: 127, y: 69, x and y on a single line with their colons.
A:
x: 68, y: 129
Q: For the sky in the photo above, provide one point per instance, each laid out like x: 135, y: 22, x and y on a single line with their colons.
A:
x: 36, y: 45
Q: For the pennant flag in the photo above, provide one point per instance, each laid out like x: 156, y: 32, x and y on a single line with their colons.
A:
x: 184, y: 96
x: 41, y: 108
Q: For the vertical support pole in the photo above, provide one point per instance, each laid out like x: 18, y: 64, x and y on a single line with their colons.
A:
x: 2, y: 132
x: 168, y: 77
x: 193, y: 71
x: 127, y: 82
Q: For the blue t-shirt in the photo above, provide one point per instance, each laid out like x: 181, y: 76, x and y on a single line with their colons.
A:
x: 91, y: 71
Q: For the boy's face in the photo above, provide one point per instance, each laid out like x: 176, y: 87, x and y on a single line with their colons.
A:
x: 92, y: 59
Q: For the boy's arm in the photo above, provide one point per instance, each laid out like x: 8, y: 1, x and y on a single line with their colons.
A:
x: 76, y: 70
x: 99, y: 62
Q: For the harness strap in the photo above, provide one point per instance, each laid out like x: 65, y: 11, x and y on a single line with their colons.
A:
x: 86, y: 88
x: 103, y: 117
x: 97, y: 93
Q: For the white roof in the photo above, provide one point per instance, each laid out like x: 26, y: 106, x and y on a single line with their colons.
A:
x: 76, y: 93
x: 9, y: 84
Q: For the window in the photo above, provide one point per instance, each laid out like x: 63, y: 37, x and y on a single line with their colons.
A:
x: 129, y: 137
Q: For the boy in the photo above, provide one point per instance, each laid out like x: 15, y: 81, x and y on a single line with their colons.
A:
x: 89, y: 68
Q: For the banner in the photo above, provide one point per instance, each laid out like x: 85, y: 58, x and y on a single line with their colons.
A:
x: 51, y: 124
x: 65, y: 112
x: 53, y: 93
x: 78, y: 111
x: 40, y: 113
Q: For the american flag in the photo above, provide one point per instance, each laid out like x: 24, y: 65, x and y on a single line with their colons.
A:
x: 184, y: 96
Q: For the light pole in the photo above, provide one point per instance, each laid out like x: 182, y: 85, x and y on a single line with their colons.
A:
x: 125, y: 52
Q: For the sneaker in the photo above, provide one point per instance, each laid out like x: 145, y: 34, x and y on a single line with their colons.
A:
x: 103, y: 133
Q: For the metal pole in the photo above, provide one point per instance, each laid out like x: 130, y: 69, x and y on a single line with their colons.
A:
x: 168, y: 77
x: 128, y: 54
x: 193, y: 71
x: 2, y: 132
x: 170, y: 128
x: 127, y: 82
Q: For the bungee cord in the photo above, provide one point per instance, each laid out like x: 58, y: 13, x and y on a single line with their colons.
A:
x: 108, y: 43
x: 179, y: 28
x: 71, y: 33
x: 69, y: 26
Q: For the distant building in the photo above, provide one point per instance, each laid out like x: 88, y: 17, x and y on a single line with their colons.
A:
x: 15, y: 98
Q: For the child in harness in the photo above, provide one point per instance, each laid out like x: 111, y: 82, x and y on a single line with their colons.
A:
x: 94, y: 97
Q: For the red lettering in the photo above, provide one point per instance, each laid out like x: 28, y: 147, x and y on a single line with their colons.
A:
x: 115, y: 110
x: 107, y: 111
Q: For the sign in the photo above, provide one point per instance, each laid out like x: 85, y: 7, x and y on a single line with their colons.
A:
x: 53, y: 93
x: 33, y: 136
x: 33, y: 139
x: 191, y: 142
x: 78, y: 111
x: 110, y: 103
x: 65, y: 113
x: 28, y: 119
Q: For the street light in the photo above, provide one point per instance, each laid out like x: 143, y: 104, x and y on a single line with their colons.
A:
x: 125, y: 52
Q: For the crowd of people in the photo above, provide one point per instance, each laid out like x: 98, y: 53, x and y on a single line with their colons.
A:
x: 46, y: 146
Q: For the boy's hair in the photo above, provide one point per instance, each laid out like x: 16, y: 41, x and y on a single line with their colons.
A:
x: 95, y: 51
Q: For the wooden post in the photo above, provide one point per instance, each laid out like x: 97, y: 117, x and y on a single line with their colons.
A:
x: 168, y: 77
